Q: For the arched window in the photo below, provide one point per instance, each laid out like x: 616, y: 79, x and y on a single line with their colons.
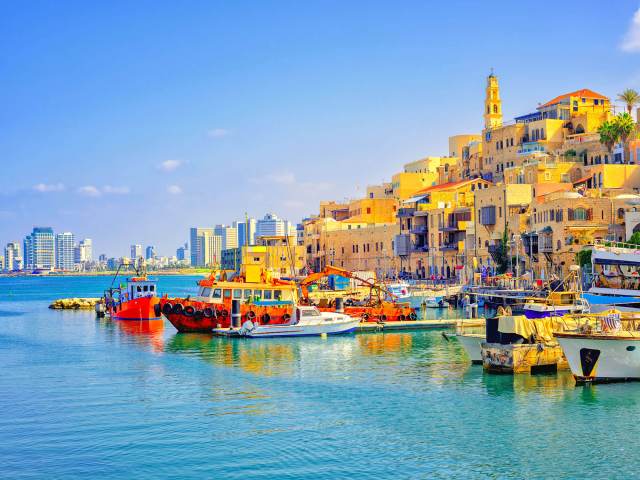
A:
x: 600, y: 180
x: 488, y: 109
x: 580, y: 214
x: 559, y: 245
x: 542, y: 133
x: 579, y: 129
x: 495, y: 109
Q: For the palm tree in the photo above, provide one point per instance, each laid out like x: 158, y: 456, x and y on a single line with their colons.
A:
x: 625, y: 127
x: 631, y: 97
x: 609, y: 135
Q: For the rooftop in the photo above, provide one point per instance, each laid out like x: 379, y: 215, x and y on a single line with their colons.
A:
x: 585, y: 92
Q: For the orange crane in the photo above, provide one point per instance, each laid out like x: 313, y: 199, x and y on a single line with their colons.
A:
x: 379, y: 310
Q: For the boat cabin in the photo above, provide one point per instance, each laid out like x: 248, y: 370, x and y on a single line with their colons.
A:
x: 140, y: 287
x: 224, y: 292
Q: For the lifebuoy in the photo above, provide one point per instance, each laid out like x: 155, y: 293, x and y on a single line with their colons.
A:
x: 157, y: 310
x: 251, y: 315
x: 207, y: 312
x: 189, y: 311
x: 167, y: 308
x: 178, y: 309
x: 223, y: 313
x: 413, y: 316
x: 266, y: 318
x: 286, y: 317
x: 365, y: 317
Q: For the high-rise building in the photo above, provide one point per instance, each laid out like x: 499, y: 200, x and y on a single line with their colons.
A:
x: 246, y: 232
x: 182, y: 253
x: 64, y: 251
x: 39, y: 249
x: 271, y: 226
x: 136, y: 251
x: 150, y: 252
x: 12, y: 257
x: 212, y: 250
x: 84, y: 251
x: 229, y: 236
x: 196, y: 244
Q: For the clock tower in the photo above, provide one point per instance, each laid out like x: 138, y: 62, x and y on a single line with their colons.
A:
x: 492, y: 103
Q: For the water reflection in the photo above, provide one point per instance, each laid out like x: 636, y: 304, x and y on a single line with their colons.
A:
x: 146, y: 333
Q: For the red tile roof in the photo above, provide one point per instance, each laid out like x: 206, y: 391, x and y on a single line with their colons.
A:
x: 585, y: 92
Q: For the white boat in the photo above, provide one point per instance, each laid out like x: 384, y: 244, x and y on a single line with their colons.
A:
x: 471, y: 342
x: 305, y: 321
x: 556, y: 304
x: 607, y: 351
x: 436, y: 302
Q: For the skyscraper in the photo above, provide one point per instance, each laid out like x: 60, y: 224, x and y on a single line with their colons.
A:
x: 84, y: 251
x: 272, y: 226
x: 229, y: 236
x: 246, y: 232
x: 150, y: 252
x: 136, y: 251
x: 197, y: 246
x: 12, y: 257
x: 39, y: 249
x: 182, y: 253
x: 64, y: 251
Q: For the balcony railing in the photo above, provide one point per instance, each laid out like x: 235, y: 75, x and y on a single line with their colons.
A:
x: 419, y: 248
x: 545, y: 247
x: 419, y: 230
x: 449, y: 227
x: 406, y: 212
x: 449, y: 247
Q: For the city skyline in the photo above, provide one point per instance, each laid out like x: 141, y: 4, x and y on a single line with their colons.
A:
x: 181, y: 134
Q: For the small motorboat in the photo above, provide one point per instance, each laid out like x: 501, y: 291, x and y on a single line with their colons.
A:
x: 436, y: 302
x: 305, y: 321
x: 471, y: 342
x: 136, y: 301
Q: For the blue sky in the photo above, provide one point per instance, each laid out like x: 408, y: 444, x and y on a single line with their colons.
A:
x: 129, y: 122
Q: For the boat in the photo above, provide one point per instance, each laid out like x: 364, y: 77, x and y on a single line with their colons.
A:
x: 262, y: 299
x: 615, y: 278
x: 436, y: 302
x: 604, y: 347
x: 556, y: 304
x: 136, y: 300
x: 305, y: 321
x: 472, y: 344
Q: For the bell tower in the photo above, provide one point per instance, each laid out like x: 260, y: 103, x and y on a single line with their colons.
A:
x: 492, y: 103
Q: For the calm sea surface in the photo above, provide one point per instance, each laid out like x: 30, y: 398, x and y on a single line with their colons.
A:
x: 88, y: 398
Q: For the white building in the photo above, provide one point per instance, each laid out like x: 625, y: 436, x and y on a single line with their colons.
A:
x: 83, y: 251
x: 272, y: 226
x: 39, y: 249
x: 65, y: 251
x: 12, y: 257
x: 246, y: 232
x: 229, y: 236
x: 206, y: 247
x: 136, y: 251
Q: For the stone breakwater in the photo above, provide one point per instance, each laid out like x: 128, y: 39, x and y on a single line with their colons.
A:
x: 74, y: 304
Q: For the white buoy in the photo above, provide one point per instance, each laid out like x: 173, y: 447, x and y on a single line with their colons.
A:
x: 323, y: 335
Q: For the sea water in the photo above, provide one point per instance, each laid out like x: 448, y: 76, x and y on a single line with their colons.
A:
x: 82, y: 397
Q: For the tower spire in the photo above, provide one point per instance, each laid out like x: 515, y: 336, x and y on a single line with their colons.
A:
x: 492, y: 103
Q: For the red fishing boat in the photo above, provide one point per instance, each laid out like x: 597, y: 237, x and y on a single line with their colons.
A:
x: 136, y: 300
x: 267, y: 301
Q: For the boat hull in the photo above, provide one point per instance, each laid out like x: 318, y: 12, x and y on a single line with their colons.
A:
x: 139, y: 309
x: 602, y: 358
x: 472, y: 344
x: 533, y: 312
x: 268, y: 331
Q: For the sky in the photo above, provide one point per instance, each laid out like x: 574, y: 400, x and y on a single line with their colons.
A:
x: 129, y: 122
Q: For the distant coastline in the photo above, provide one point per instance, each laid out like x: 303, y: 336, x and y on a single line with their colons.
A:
x: 109, y: 273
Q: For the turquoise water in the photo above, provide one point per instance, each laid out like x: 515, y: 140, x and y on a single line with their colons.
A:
x: 87, y: 398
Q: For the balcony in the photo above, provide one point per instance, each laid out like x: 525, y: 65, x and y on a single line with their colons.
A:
x: 450, y: 227
x: 419, y: 230
x: 449, y: 247
x: 406, y: 212
x: 420, y: 248
x: 545, y: 247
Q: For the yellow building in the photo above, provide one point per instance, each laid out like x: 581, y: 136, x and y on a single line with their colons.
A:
x: 278, y: 256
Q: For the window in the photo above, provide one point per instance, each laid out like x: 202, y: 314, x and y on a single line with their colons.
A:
x: 268, y: 294
x: 247, y: 294
x: 145, y: 288
x: 368, y: 209
x: 575, y: 105
x: 152, y: 288
x: 596, y: 101
x: 277, y: 294
x: 620, y: 213
x: 237, y: 293
x: 139, y: 288
x: 495, y: 109
x: 381, y: 246
x: 500, y: 212
x: 217, y: 293
x: 580, y: 214
x: 227, y: 293
x: 257, y: 294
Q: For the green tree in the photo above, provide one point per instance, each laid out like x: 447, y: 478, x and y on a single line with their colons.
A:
x: 630, y: 97
x: 635, y: 238
x: 609, y: 135
x: 583, y: 257
x: 624, y: 125
x: 502, y: 260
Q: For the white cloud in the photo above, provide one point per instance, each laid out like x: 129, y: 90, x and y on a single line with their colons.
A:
x: 46, y: 188
x: 174, y: 190
x: 89, y: 191
x: 115, y: 190
x: 631, y: 40
x: 281, y: 178
x: 218, y: 133
x: 170, y: 165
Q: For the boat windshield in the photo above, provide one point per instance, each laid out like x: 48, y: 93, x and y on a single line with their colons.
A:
x: 205, y: 292
x: 312, y: 312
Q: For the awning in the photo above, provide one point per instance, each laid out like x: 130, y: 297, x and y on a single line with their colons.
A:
x: 417, y: 198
